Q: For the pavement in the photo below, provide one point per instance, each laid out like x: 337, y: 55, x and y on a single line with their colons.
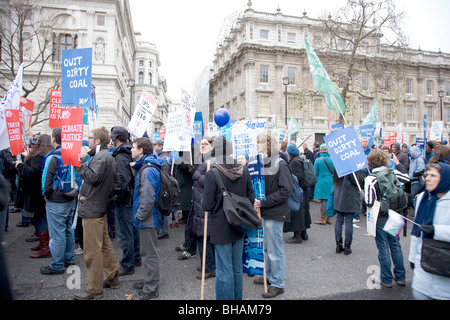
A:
x: 313, y: 270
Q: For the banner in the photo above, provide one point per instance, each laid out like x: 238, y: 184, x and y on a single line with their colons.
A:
x: 76, y: 77
x: 323, y: 83
x: 142, y: 115
x: 244, y: 141
x: 71, y: 135
x: 198, y: 126
x: 436, y: 130
x: 175, y: 138
x: 293, y: 127
x: 15, y: 132
x: 26, y: 109
x: 54, y: 119
x: 337, y: 127
x: 346, y: 151
x: 394, y: 223
x: 399, y: 134
x: 372, y: 116
x: 11, y: 101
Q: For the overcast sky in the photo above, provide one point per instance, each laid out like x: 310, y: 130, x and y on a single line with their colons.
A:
x: 185, y: 32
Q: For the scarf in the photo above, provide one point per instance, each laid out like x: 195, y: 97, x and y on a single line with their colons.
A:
x: 427, y: 206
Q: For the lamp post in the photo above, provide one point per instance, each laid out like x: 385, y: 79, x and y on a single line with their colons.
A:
x: 131, y: 83
x: 441, y: 95
x: 286, y: 83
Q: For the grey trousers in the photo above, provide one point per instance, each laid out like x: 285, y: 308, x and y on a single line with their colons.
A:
x: 150, y: 258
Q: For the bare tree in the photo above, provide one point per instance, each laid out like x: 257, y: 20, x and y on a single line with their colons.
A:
x: 25, y: 38
x: 354, y: 42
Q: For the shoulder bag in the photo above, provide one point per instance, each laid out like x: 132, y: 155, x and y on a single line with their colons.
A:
x: 238, y: 210
x: 435, y: 257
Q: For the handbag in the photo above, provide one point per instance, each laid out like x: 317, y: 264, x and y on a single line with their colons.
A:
x: 435, y: 257
x: 238, y: 210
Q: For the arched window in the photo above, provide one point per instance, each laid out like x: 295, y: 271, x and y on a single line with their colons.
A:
x: 150, y: 78
x: 63, y: 42
x: 141, y: 78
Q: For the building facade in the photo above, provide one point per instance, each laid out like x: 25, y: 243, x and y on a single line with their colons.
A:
x: 262, y: 48
x: 118, y: 55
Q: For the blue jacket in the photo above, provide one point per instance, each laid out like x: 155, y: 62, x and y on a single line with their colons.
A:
x: 146, y: 193
x: 324, y: 182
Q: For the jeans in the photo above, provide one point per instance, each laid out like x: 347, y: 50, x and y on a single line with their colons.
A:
x: 210, y: 264
x: 40, y: 224
x: 62, y: 238
x: 229, y: 266
x: 348, y: 219
x: 274, y: 250
x: 389, y: 248
x: 127, y: 236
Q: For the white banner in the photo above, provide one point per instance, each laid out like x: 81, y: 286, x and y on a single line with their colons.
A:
x: 176, y: 138
x: 436, y: 130
x: 142, y: 115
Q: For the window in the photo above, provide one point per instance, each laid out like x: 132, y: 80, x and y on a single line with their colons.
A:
x: 409, y: 89
x: 150, y: 65
x: 409, y: 112
x: 101, y: 20
x: 429, y: 115
x: 291, y: 37
x: 429, y: 87
x: 62, y: 42
x: 291, y: 75
x: 141, y: 63
x: 264, y: 34
x: 366, y: 108
x: 388, y: 112
x: 141, y: 78
x: 317, y: 42
x: 387, y: 84
x: 448, y: 114
x: 317, y: 107
x: 264, y: 74
x: 448, y: 88
x: 341, y: 43
x: 365, y: 82
x: 264, y: 105
x: 150, y: 78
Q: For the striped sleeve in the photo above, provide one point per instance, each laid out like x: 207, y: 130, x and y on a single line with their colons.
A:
x: 402, y: 177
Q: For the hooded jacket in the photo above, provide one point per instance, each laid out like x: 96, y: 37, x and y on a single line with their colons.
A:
x: 416, y: 165
x: 236, y: 179
x: 122, y: 155
x: 99, y: 181
x: 147, y: 185
x: 401, y: 156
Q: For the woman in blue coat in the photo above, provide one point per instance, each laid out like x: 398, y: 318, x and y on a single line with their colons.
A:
x: 323, y: 166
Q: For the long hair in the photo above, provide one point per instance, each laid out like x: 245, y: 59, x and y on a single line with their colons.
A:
x: 43, y: 146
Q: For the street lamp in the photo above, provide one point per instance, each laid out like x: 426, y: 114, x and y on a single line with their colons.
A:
x: 131, y: 83
x: 286, y: 83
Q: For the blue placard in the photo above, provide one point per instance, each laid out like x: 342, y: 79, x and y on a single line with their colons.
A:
x: 198, y: 126
x: 336, y: 127
x: 76, y: 77
x: 346, y: 151
x: 255, y: 168
x: 367, y: 130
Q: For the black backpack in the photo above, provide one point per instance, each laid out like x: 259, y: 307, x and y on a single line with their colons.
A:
x: 169, y: 194
x: 392, y: 195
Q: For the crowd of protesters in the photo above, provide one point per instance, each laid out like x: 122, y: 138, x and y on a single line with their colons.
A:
x: 120, y: 183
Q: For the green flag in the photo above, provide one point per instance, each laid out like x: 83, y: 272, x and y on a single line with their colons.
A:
x: 293, y: 127
x: 323, y: 83
x: 372, y: 116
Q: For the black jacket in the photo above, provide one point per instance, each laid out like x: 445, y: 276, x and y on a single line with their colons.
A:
x: 236, y: 179
x: 278, y: 187
x: 122, y: 155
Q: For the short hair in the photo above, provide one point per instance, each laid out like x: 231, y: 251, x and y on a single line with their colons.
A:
x: 283, y: 145
x: 56, y: 134
x: 102, y: 134
x: 377, y: 158
x: 386, y: 148
x: 145, y: 144
x: 434, y: 165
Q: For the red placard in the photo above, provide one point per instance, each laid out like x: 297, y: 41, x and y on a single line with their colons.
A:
x: 14, y: 126
x: 55, y: 109
x: 71, y: 135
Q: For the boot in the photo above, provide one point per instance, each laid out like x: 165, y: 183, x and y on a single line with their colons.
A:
x: 339, y: 247
x: 44, y: 251
x: 295, y: 239
x: 36, y: 247
x: 347, y: 249
x: 323, y: 217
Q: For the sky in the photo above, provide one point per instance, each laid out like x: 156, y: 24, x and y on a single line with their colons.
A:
x: 186, y: 32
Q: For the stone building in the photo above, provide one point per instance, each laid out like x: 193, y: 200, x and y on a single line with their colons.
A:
x: 261, y: 48
x: 118, y: 55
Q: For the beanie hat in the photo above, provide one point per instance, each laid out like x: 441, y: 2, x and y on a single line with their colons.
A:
x: 323, y: 147
x: 292, y: 150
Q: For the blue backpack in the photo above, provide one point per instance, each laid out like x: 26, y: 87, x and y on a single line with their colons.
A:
x: 63, y: 179
x: 296, y: 199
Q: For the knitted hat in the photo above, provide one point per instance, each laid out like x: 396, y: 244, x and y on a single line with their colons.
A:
x: 292, y: 150
x: 323, y: 147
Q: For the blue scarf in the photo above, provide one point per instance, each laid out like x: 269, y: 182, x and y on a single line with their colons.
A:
x: 427, y: 206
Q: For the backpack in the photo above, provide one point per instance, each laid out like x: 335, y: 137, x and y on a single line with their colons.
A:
x: 296, y: 198
x: 64, y: 179
x: 309, y: 174
x: 169, y: 194
x: 392, y: 195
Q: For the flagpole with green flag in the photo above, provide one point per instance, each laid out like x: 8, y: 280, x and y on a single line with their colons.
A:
x: 293, y: 127
x: 322, y: 83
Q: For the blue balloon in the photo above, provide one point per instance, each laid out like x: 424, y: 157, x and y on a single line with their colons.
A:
x: 221, y: 117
